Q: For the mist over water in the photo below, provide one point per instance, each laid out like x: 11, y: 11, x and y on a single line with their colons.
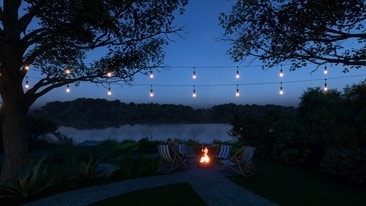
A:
x: 203, y: 133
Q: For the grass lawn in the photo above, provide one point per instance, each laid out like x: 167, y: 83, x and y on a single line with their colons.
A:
x: 288, y: 185
x: 174, y: 194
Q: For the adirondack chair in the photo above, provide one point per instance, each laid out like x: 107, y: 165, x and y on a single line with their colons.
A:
x: 241, y: 161
x: 170, y: 159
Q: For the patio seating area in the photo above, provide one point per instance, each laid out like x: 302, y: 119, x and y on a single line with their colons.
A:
x: 209, y: 183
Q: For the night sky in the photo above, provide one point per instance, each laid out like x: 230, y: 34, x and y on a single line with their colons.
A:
x: 202, y: 48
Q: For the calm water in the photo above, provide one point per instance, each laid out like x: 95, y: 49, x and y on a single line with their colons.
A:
x: 203, y: 133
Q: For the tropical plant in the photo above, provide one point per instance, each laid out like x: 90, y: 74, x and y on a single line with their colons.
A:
x: 30, y: 182
x: 87, y: 170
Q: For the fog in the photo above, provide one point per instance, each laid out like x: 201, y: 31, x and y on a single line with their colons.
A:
x: 204, y: 133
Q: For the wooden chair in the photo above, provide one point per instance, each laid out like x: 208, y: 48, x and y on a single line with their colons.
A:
x: 184, y: 150
x: 170, y: 159
x: 241, y: 161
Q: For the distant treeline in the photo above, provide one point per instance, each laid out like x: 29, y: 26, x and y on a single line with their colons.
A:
x: 92, y: 113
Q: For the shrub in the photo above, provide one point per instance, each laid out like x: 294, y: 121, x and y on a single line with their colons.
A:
x: 145, y: 145
x: 348, y: 163
x: 291, y: 149
x: 127, y: 146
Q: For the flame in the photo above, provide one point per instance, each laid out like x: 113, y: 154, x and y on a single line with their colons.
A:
x: 205, y: 158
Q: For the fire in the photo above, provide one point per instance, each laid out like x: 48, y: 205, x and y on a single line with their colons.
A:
x: 205, y: 159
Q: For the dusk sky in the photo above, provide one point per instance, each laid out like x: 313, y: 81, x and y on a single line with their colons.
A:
x: 216, y: 84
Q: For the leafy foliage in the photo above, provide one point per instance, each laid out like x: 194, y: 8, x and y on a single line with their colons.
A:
x: 348, y: 163
x: 299, y: 31
x: 30, y: 182
x: 127, y: 146
x: 88, y: 170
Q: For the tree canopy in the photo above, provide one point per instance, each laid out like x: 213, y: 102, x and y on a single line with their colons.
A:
x: 57, y: 40
x: 298, y: 31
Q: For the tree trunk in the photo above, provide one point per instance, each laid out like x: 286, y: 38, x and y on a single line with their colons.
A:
x: 14, y: 141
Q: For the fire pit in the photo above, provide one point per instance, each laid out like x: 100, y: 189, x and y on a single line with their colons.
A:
x: 205, y: 159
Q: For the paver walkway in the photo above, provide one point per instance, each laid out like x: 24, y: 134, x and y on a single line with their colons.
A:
x: 209, y: 183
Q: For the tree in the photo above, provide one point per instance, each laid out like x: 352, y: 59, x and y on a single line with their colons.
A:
x: 299, y: 31
x: 55, y: 38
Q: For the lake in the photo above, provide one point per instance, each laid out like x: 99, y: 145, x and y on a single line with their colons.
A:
x: 203, y: 133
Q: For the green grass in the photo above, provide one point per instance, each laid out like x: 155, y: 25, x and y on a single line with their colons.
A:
x: 174, y: 194
x: 288, y: 185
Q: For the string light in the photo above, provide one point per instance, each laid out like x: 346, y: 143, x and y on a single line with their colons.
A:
x: 109, y: 74
x: 68, y: 71
x: 194, y: 76
x: 281, y: 90
x: 237, y: 76
x: 151, y: 75
x: 26, y: 83
x: 237, y: 94
x: 67, y: 88
x: 325, y: 72
x: 194, y: 95
x: 325, y: 89
x: 151, y: 91
x: 109, y: 90
x: 281, y: 72
x: 26, y: 67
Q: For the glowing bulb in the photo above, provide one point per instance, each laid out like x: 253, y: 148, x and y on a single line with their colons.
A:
x: 109, y: 91
x: 237, y: 93
x: 325, y: 89
x: 68, y: 71
x: 325, y: 70
x: 26, y: 67
x: 109, y: 74
x: 194, y: 95
x: 194, y: 76
x: 151, y: 92
x: 151, y: 75
x: 67, y: 88
x: 281, y: 90
x: 237, y: 75
x: 281, y: 73
x: 26, y: 83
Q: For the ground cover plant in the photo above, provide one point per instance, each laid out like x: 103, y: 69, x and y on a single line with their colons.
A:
x: 300, y: 185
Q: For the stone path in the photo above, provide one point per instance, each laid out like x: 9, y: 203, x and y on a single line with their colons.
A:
x: 209, y: 183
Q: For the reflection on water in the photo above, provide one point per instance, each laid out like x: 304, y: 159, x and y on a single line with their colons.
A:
x: 203, y: 133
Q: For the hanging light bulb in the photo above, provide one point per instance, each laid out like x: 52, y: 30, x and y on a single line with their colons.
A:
x: 281, y: 72
x: 151, y: 92
x: 109, y: 90
x: 281, y: 90
x: 68, y: 71
x: 194, y: 95
x: 237, y: 75
x: 325, y: 89
x: 325, y: 70
x: 237, y: 91
x: 194, y: 76
x: 109, y: 74
x: 151, y: 75
x: 26, y: 67
x: 26, y: 83
x: 67, y: 88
